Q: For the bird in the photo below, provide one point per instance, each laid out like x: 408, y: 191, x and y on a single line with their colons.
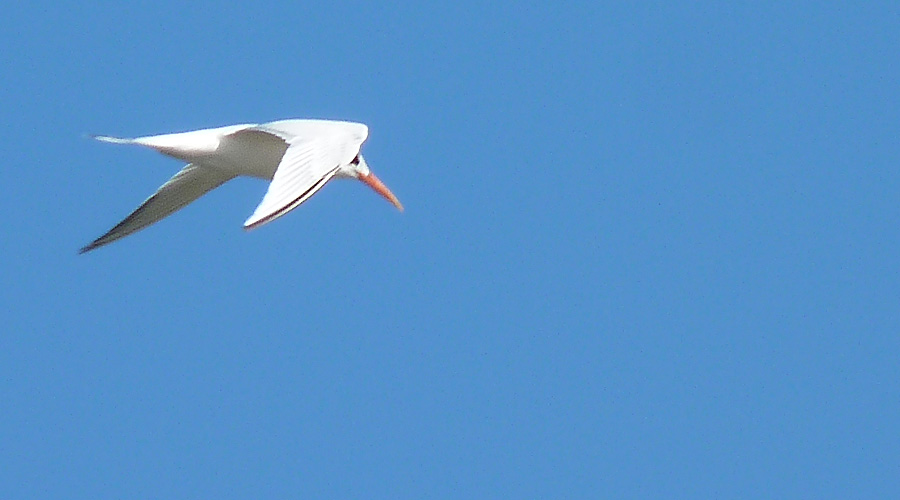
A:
x: 298, y: 156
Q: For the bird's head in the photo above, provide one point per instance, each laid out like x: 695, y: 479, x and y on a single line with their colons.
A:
x: 359, y: 169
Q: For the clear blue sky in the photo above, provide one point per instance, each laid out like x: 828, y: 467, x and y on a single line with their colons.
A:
x: 648, y: 251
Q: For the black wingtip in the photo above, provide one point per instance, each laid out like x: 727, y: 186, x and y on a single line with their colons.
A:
x: 87, y: 248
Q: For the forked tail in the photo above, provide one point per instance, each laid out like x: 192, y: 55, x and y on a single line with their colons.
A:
x: 114, y: 140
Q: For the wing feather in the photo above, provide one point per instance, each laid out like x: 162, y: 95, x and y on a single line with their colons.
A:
x: 307, y: 165
x: 192, y: 182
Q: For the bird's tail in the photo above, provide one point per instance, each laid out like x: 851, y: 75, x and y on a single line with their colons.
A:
x: 114, y: 140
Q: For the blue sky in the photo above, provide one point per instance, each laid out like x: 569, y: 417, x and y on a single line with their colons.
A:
x: 649, y: 250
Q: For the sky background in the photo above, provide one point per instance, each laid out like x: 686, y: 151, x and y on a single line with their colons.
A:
x: 649, y: 250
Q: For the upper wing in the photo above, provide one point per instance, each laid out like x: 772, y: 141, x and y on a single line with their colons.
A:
x: 351, y: 133
x: 305, y: 167
x: 192, y: 182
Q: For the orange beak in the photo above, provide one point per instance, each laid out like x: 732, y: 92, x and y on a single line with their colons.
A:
x: 381, y: 189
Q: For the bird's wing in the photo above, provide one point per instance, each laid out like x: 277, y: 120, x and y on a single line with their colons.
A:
x: 350, y: 133
x: 305, y: 167
x: 192, y: 182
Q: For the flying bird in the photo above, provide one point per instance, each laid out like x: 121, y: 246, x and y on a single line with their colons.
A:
x: 297, y: 156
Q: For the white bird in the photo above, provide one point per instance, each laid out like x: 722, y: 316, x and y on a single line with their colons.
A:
x: 297, y: 156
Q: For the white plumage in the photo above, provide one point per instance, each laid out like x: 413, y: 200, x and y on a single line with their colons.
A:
x: 297, y: 156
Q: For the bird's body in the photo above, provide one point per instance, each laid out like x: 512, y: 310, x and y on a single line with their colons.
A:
x: 297, y: 156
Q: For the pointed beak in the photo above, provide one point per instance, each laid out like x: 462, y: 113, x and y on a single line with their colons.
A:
x: 381, y: 189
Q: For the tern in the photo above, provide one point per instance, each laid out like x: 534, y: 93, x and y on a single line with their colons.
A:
x: 298, y: 156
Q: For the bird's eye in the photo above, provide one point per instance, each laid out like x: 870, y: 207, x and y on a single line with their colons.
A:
x: 355, y: 161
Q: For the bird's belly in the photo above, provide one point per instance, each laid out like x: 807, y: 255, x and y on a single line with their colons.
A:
x: 251, y: 166
x: 250, y: 154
